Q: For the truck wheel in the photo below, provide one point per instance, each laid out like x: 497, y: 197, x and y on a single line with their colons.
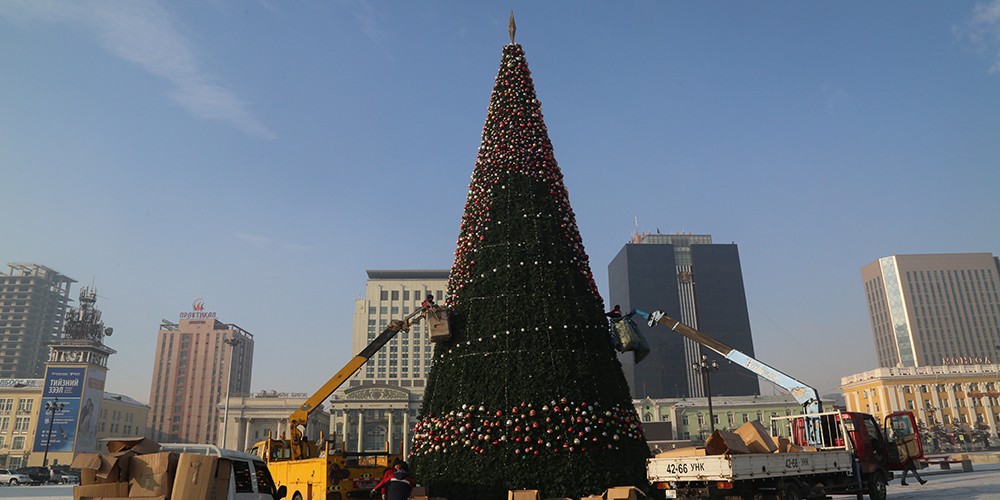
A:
x: 297, y: 496
x: 790, y: 490
x: 877, y: 486
x: 13, y: 482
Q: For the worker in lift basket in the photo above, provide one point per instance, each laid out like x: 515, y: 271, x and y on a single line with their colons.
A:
x: 430, y: 307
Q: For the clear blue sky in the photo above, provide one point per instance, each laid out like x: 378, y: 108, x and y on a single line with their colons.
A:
x: 262, y: 155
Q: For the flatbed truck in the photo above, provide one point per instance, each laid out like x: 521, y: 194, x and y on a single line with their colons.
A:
x: 849, y: 452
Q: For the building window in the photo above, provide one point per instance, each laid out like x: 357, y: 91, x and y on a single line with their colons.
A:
x: 25, y: 405
x: 22, y: 424
x: 17, y: 443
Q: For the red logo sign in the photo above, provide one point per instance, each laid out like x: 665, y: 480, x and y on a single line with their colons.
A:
x: 198, y: 305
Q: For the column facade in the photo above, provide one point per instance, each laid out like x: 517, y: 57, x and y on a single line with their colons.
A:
x: 361, y: 431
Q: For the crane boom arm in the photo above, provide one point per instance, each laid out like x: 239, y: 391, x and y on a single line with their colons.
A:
x: 299, y: 418
x: 807, y: 396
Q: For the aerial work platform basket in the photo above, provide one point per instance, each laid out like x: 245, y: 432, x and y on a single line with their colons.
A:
x: 437, y: 323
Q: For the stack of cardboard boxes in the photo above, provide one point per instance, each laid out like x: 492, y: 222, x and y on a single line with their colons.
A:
x: 420, y: 493
x: 616, y: 493
x: 136, y: 468
x: 751, y: 437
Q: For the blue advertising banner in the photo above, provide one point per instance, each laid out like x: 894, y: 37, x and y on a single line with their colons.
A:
x: 63, y: 385
x: 63, y: 425
x: 61, y: 382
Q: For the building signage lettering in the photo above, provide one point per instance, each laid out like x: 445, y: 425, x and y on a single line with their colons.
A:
x: 198, y: 308
x: 198, y: 315
x: 20, y: 382
x: 990, y: 394
x: 64, y: 382
x: 967, y: 360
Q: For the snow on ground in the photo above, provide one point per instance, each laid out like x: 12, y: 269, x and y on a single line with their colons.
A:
x: 48, y: 492
x: 983, y: 484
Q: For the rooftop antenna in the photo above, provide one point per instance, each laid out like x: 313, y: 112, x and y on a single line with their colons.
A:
x: 511, y: 27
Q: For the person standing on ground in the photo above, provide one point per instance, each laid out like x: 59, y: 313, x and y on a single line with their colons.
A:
x: 910, y: 466
x: 399, y: 486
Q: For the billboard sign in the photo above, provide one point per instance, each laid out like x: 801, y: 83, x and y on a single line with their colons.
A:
x: 90, y: 407
x: 63, y: 388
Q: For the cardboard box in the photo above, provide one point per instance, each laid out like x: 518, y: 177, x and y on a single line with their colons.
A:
x: 559, y: 498
x: 523, y: 495
x: 194, y: 476
x: 725, y: 442
x: 152, y: 475
x: 418, y: 491
x: 689, y: 451
x: 96, y: 468
x: 139, y: 445
x: 161, y: 497
x: 756, y: 437
x: 100, y: 490
x: 624, y: 493
x: 152, y: 485
x: 154, y: 463
x: 785, y: 445
x: 593, y: 497
x: 220, y: 483
x: 120, y: 498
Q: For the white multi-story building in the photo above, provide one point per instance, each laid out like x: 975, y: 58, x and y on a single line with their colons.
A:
x: 379, y: 402
x: 406, y: 359
x: 264, y: 414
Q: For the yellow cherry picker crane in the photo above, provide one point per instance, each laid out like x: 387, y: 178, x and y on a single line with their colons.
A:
x: 315, y: 469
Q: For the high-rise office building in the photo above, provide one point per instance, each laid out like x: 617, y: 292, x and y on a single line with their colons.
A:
x: 199, y: 360
x: 390, y: 295
x: 33, y: 301
x: 383, y: 398
x: 701, y: 284
x: 934, y: 309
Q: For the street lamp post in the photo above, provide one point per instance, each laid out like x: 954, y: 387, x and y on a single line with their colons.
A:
x: 231, y: 342
x: 51, y: 408
x: 706, y: 367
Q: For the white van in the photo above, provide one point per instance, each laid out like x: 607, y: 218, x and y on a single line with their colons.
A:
x: 249, y: 479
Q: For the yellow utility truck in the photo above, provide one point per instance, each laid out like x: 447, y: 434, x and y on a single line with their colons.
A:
x: 317, y: 470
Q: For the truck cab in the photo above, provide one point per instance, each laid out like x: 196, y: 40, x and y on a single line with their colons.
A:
x: 878, y: 447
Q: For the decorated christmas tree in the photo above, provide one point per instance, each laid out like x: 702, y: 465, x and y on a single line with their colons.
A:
x: 527, y: 393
